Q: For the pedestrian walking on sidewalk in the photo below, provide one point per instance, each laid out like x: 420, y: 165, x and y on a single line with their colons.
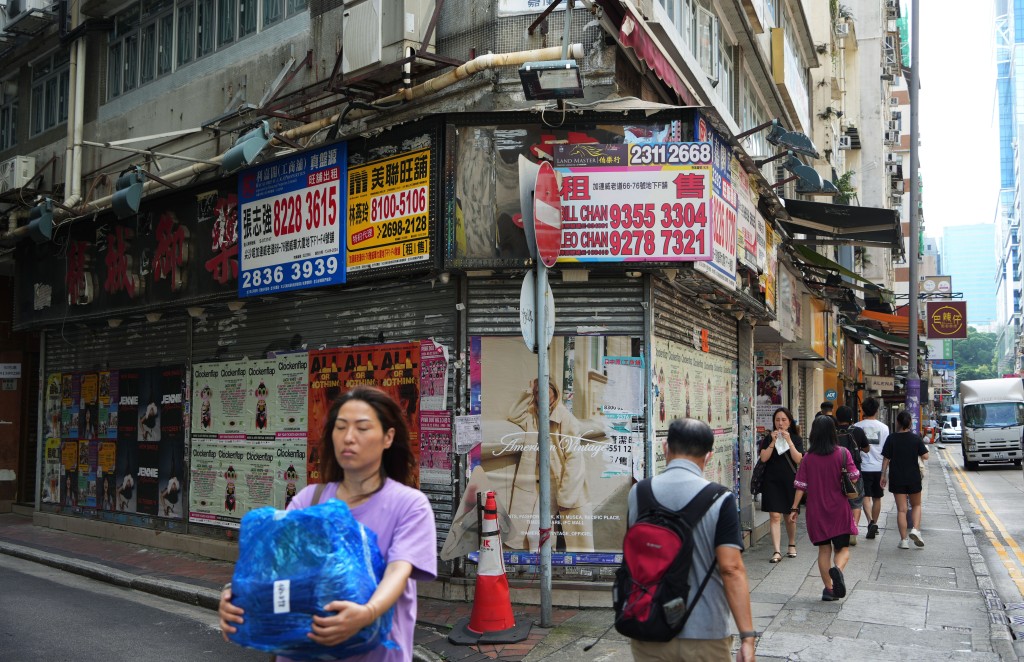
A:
x: 367, y: 462
x: 717, y: 549
x: 829, y: 519
x: 871, y: 464
x: 902, y: 473
x: 781, y: 451
x: 854, y: 440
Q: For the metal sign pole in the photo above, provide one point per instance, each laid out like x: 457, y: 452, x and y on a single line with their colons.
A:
x: 543, y: 446
x: 913, y: 80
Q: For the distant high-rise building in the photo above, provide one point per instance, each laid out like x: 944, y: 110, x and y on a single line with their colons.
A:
x: 968, y: 256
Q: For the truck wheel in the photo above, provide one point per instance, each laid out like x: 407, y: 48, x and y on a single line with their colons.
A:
x: 1016, y: 464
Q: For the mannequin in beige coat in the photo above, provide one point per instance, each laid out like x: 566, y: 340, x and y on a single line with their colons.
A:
x: 570, y: 498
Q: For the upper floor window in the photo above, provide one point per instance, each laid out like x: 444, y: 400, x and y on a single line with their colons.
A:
x: 50, y: 78
x: 155, y: 37
x: 8, y: 114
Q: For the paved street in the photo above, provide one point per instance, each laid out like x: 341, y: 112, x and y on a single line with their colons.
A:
x: 939, y: 602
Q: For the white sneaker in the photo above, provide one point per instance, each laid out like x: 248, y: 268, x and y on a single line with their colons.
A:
x: 915, y: 535
x: 904, y: 544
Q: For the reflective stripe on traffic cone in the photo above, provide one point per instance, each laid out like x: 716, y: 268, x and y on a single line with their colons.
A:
x: 492, y: 606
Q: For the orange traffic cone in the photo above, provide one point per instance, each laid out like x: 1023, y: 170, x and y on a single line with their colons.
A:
x: 491, y: 621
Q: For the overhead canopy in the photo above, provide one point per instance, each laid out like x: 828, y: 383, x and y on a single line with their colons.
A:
x: 826, y: 223
x: 884, y: 340
x: 819, y: 260
x: 898, y: 323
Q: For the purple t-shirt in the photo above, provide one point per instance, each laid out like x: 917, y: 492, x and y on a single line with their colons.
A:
x: 404, y: 523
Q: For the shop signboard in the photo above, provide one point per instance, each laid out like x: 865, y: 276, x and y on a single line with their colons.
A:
x: 291, y: 217
x: 722, y: 207
x: 947, y: 319
x: 389, y: 203
x: 639, y: 202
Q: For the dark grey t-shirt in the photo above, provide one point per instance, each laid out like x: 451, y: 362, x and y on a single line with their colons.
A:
x: 674, y: 488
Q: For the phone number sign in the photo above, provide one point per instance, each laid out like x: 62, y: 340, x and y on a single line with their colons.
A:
x: 389, y: 211
x: 658, y: 210
x: 291, y: 214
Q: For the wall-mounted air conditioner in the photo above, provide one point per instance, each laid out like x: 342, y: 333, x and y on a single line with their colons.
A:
x: 376, y: 33
x: 17, y: 8
x: 894, y: 125
x: 897, y: 187
x: 891, y: 137
x: 893, y: 101
x: 842, y: 30
x: 845, y: 142
x: 893, y: 158
x: 16, y: 172
x: 896, y: 116
x: 892, y: 168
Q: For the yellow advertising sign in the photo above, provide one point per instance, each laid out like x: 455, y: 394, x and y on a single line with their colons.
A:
x: 388, y: 212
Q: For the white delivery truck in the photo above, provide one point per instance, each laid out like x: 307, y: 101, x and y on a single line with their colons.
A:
x: 992, y: 420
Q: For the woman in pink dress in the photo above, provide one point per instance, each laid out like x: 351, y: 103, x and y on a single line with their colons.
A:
x: 829, y: 518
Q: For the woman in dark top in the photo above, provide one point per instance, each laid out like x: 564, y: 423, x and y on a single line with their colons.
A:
x: 777, y: 488
x: 902, y: 473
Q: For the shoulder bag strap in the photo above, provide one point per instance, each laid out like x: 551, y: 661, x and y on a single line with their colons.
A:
x: 692, y: 513
x: 318, y: 492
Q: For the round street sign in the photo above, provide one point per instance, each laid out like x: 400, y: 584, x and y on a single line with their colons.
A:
x: 831, y: 394
x: 547, y: 215
x: 528, y: 313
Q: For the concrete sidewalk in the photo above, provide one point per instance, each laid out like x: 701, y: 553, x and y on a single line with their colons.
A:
x: 930, y: 603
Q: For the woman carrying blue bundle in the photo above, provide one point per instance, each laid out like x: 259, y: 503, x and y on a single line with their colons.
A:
x: 367, y: 462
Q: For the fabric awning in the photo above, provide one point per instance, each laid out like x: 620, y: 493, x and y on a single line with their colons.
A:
x: 635, y: 34
x: 817, y: 259
x: 881, y: 337
x: 898, y: 323
x: 827, y: 223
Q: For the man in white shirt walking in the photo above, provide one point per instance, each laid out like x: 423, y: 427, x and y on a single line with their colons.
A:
x: 871, y: 464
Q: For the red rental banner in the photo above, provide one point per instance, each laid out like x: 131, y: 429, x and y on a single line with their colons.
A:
x: 947, y: 319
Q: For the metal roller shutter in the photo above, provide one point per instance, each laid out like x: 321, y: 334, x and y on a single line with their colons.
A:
x: 333, y: 318
x: 131, y: 345
x: 609, y: 307
x: 675, y: 318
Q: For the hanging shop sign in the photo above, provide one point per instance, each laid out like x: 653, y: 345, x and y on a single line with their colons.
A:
x: 947, y: 319
x: 722, y: 207
x: 639, y: 202
x: 292, y: 212
x: 10, y: 370
x: 389, y: 211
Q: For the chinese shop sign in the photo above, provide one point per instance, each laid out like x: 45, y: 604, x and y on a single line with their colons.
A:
x: 947, y: 319
x: 388, y: 212
x: 639, y: 202
x: 291, y: 216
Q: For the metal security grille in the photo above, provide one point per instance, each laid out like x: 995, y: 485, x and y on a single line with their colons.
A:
x: 335, y: 318
x: 134, y: 344
x: 608, y: 307
x: 675, y: 318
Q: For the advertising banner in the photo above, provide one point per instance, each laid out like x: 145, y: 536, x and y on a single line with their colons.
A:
x: 722, y: 207
x: 291, y: 216
x: 393, y: 367
x: 750, y: 239
x: 52, y: 407
x: 108, y: 397
x: 69, y: 473
x: 433, y: 376
x: 52, y: 471
x: 937, y: 285
x: 389, y: 211
x: 602, y: 220
x: 591, y: 452
x: 695, y: 384
x: 947, y: 319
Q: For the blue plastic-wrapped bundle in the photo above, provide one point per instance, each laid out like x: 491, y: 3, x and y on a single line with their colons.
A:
x: 293, y: 563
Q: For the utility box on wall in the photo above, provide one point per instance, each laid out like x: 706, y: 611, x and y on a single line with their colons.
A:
x: 376, y: 33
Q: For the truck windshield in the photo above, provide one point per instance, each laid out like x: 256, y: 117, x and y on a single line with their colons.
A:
x: 994, y: 415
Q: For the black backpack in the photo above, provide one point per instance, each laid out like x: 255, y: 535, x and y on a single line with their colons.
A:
x: 653, y: 582
x: 847, y: 441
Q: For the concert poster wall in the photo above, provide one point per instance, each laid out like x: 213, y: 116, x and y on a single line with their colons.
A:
x: 248, y: 436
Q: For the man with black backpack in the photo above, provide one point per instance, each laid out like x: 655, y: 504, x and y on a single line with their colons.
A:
x: 683, y: 572
x: 854, y: 440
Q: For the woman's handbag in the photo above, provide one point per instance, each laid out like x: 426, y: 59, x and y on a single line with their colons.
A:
x: 845, y: 482
x: 757, y: 477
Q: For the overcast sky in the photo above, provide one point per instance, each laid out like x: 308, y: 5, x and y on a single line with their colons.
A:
x: 958, y: 123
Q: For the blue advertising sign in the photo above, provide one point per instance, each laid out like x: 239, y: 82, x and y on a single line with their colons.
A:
x: 943, y: 364
x: 291, y: 216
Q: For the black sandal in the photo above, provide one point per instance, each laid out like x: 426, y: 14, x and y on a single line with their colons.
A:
x: 792, y: 554
x: 776, y: 557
